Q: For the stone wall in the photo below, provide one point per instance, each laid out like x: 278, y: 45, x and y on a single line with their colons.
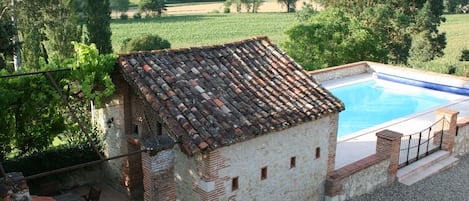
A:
x: 367, y: 174
x: 358, y: 178
x: 158, y: 176
x: 109, y: 119
x: 462, y: 139
x: 340, y: 71
x: 210, y: 176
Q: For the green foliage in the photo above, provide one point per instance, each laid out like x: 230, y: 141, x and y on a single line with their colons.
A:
x: 120, y: 5
x: 30, y: 26
x: 30, y: 114
x: 252, y: 5
x: 454, y: 6
x: 6, y: 33
x: 145, y: 42
x: 61, y: 28
x: 290, y: 5
x: 137, y: 15
x: 98, y: 25
x: 402, y: 19
x: 153, y: 7
x: 429, y: 42
x: 62, y: 156
x: 306, y: 12
x: 92, y: 71
x: 464, y: 55
x: 123, y: 16
x: 333, y: 38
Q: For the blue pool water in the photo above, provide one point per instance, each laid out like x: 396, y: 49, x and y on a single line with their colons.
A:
x: 368, y: 104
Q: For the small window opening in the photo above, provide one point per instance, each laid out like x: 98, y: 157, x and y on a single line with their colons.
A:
x: 263, y: 173
x: 293, y: 162
x: 136, y: 129
x: 234, y: 184
x: 318, y: 152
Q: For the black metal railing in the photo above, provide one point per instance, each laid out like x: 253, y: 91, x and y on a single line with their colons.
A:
x: 420, y: 144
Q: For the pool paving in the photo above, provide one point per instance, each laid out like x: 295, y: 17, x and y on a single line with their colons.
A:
x: 364, y: 144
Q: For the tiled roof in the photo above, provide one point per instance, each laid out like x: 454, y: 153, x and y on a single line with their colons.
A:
x: 219, y: 95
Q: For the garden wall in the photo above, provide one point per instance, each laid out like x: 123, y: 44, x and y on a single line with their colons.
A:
x: 462, y: 137
x: 369, y: 173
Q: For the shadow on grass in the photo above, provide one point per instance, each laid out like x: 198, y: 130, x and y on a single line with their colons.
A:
x: 169, y: 19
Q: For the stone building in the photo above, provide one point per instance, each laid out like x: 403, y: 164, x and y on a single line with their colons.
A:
x: 248, y: 122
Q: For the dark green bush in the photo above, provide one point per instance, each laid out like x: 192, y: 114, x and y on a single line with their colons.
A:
x: 124, y: 16
x: 464, y: 55
x: 58, y: 157
x: 137, y: 15
x: 145, y: 42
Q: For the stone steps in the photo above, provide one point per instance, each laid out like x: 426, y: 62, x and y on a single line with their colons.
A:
x: 423, y: 168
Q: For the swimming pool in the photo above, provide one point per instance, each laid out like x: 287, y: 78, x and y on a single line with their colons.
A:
x: 372, y: 102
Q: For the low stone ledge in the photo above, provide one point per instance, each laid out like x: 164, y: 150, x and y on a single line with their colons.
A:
x: 357, y: 166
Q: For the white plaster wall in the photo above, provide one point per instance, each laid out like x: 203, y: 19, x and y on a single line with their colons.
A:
x: 304, y: 182
x: 113, y: 138
x: 185, y: 175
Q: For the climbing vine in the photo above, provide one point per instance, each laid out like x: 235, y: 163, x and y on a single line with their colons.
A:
x: 32, y: 114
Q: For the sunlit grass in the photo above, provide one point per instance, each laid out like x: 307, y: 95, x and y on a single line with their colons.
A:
x: 457, y: 37
x: 206, y: 29
x: 210, y: 29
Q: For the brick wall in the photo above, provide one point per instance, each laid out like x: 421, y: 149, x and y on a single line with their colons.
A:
x: 211, y: 184
x: 369, y: 173
x: 158, y: 176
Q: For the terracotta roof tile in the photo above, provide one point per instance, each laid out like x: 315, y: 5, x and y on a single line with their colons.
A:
x: 219, y: 95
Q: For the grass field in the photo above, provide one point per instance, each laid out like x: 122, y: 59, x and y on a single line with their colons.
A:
x: 206, y: 29
x: 209, y: 29
x: 457, y: 37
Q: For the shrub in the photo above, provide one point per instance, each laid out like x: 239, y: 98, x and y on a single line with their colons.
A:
x: 137, y: 15
x: 145, y: 42
x: 464, y: 55
x: 226, y: 10
x: 124, y: 16
x: 58, y: 157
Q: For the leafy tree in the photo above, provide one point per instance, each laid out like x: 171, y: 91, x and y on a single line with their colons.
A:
x: 98, y: 22
x: 393, y: 26
x: 153, y: 7
x: 454, y: 6
x: 252, y: 5
x: 30, y: 114
x: 60, y: 27
x: 398, y: 20
x: 30, y: 27
x: 333, y: 38
x: 289, y: 4
x: 6, y: 33
x: 428, y: 43
x: 145, y: 42
x: 120, y: 5
x: 31, y: 111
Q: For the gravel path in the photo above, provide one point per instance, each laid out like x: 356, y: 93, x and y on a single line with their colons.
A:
x: 451, y: 184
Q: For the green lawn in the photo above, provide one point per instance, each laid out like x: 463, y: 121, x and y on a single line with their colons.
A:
x: 457, y: 37
x: 209, y: 29
x: 206, y: 29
